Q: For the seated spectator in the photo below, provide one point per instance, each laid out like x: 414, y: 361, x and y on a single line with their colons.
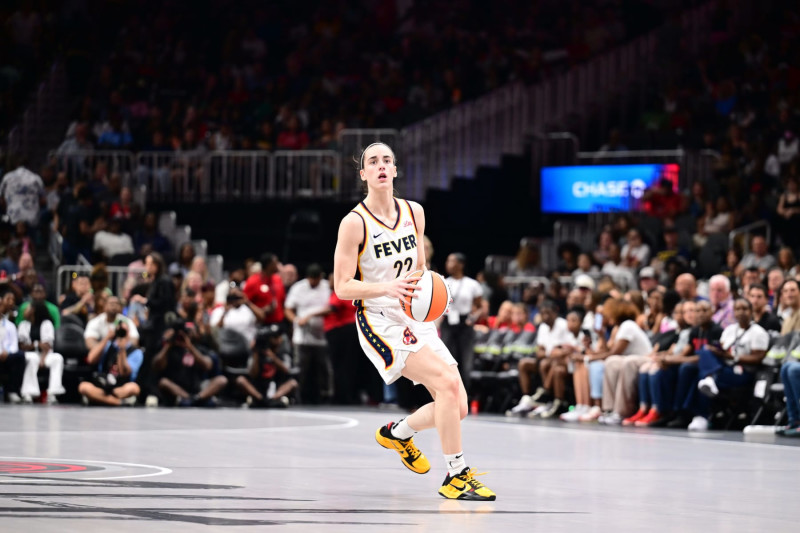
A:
x: 112, y: 340
x: 12, y: 360
x: 733, y: 362
x: 750, y: 277
x: 112, y: 241
x: 268, y: 383
x: 757, y: 296
x: 603, y: 252
x: 671, y: 247
x: 686, y: 287
x: 27, y: 242
x: 39, y: 295
x: 789, y: 213
x: 79, y: 142
x: 265, y: 289
x: 622, y: 361
x: 680, y: 372
x: 10, y: 264
x: 184, y: 262
x: 80, y: 300
x: 719, y: 294
x: 200, y: 266
x: 500, y: 321
x: 655, y: 399
x: 790, y: 377
x: 193, y: 281
x: 99, y: 280
x: 787, y: 262
x: 552, y: 330
x: 615, y: 268
x: 775, y: 279
x: 183, y: 370
x: 758, y: 257
x: 585, y: 266
x: 636, y: 253
x: 122, y: 208
x: 115, y: 135
x: 717, y: 218
x: 36, y: 338
x: 24, y: 283
x: 647, y: 280
x: 790, y: 304
x: 235, y: 315
x: 292, y: 138
x: 527, y: 261
x: 148, y: 234
x: 555, y: 370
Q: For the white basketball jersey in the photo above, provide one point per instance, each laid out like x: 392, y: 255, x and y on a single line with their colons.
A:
x: 388, y: 252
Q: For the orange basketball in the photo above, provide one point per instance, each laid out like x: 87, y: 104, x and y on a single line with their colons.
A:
x: 434, y: 296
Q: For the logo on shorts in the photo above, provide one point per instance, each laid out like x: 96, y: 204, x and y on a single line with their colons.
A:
x: 408, y: 337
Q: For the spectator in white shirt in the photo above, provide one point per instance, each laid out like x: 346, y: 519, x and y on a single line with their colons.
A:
x: 758, y: 257
x: 306, y: 304
x: 627, y: 350
x: 36, y: 337
x: 235, y: 315
x: 635, y: 253
x: 112, y: 340
x: 112, y: 241
x: 734, y: 363
x: 552, y: 332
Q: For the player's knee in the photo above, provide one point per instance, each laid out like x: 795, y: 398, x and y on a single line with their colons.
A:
x: 84, y: 388
x: 526, y: 364
x: 463, y: 409
x: 221, y: 381
x: 134, y: 389
x: 241, y: 381
x: 447, y: 384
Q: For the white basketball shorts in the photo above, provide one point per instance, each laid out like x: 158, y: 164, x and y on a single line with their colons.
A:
x: 388, y: 337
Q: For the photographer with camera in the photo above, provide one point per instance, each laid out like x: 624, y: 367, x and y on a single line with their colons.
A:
x: 183, y: 369
x: 113, y: 343
x: 267, y: 381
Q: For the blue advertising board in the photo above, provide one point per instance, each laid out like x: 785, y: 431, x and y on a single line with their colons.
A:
x: 593, y: 188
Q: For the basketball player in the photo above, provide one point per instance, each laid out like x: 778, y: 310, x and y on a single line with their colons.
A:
x: 380, y: 241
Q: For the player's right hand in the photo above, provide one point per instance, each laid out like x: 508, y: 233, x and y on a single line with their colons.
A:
x: 402, y: 287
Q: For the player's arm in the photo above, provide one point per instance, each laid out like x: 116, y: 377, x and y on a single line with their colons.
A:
x: 345, y: 261
x: 419, y: 220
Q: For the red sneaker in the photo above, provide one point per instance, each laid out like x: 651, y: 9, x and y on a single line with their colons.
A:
x: 631, y: 420
x: 652, y: 417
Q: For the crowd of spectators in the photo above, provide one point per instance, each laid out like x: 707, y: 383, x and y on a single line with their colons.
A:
x: 278, y: 76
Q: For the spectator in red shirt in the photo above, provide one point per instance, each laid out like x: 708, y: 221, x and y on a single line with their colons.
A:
x: 293, y: 138
x: 265, y: 289
x: 340, y: 331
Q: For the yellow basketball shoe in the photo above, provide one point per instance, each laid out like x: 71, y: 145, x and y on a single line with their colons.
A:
x: 409, y: 454
x: 464, y: 486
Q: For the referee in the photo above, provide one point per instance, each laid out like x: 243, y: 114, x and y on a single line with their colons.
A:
x: 457, y: 332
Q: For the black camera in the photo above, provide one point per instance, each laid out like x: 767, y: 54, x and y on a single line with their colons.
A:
x: 121, y: 331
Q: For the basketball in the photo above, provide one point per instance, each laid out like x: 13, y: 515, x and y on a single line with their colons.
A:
x: 434, y: 297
